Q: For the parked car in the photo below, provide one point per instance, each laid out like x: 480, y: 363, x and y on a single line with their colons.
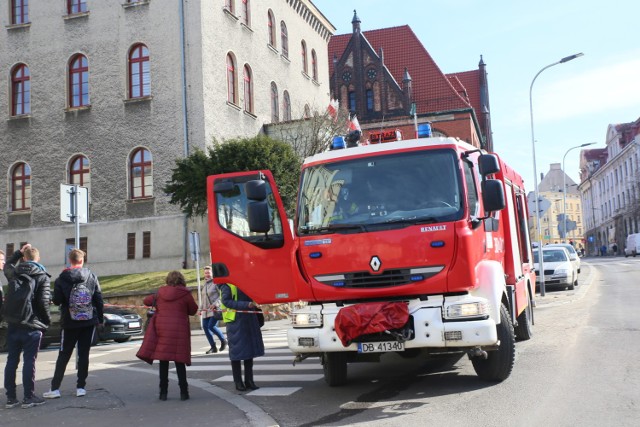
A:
x: 632, y: 245
x: 120, y: 324
x: 50, y: 336
x: 558, y: 268
x: 573, y: 254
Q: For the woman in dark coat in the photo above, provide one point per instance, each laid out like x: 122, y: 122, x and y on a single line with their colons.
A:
x: 174, y: 304
x: 243, y: 334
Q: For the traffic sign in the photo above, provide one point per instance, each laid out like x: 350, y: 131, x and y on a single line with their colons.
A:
x: 68, y: 209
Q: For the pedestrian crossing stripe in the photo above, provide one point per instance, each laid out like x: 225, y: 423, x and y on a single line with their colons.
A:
x: 275, y: 378
x: 256, y: 367
x: 224, y: 358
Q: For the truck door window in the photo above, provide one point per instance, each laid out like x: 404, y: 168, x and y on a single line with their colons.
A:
x: 233, y: 217
x: 472, y: 191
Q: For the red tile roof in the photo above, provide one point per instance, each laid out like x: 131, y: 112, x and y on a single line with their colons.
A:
x: 432, y: 89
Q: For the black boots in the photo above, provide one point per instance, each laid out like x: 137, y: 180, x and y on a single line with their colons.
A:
x: 223, y: 345
x: 250, y: 385
x: 163, y: 395
x: 240, y: 386
x: 184, y: 391
x: 214, y: 349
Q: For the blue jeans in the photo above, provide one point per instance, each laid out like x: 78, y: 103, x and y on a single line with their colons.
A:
x: 26, y: 341
x: 210, y: 328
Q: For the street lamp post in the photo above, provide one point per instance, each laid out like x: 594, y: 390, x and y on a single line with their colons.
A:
x: 535, y: 173
x: 564, y: 188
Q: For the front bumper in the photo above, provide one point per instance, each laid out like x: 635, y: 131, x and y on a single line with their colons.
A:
x: 430, y: 330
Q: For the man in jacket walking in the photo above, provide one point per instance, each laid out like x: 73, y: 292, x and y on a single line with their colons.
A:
x: 24, y: 335
x: 78, y: 323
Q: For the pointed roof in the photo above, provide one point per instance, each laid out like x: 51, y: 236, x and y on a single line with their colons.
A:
x: 432, y: 89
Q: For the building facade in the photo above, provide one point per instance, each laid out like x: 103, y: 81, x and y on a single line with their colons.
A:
x: 107, y: 94
x: 553, y: 227
x: 387, y: 78
x: 610, y: 188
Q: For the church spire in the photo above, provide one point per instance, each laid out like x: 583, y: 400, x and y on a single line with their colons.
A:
x: 355, y: 22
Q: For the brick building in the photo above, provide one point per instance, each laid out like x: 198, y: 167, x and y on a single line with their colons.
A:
x: 380, y: 75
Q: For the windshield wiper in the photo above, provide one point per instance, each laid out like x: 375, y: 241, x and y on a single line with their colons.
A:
x: 338, y: 228
x: 411, y: 221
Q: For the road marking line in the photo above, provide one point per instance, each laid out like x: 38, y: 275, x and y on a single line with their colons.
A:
x: 256, y: 367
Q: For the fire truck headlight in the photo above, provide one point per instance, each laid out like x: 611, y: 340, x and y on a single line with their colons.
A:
x: 306, y: 320
x: 466, y: 310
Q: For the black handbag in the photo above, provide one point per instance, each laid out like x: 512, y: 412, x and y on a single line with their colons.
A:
x: 260, y: 315
x: 152, y: 310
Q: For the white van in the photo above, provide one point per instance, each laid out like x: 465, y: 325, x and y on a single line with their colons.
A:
x: 632, y: 245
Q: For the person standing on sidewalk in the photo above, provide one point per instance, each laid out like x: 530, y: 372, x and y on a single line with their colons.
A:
x: 77, y: 292
x: 24, y: 335
x: 243, y: 332
x: 174, y: 304
x: 211, y: 314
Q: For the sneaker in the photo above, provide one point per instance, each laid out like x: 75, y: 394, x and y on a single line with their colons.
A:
x: 32, y: 401
x: 12, y: 403
x: 81, y: 392
x: 51, y: 394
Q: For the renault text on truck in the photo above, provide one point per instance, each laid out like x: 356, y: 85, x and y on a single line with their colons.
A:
x: 418, y: 247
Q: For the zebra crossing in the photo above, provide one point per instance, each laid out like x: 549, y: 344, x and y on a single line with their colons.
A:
x: 274, y: 372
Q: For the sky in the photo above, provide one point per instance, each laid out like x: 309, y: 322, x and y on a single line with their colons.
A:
x: 573, y: 103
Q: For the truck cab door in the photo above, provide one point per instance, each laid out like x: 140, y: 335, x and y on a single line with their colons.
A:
x: 261, y: 263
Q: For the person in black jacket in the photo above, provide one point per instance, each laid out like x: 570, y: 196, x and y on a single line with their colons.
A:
x: 24, y: 337
x: 74, y: 332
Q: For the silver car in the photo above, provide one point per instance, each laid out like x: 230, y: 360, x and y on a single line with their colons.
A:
x: 573, y: 254
x: 558, y: 268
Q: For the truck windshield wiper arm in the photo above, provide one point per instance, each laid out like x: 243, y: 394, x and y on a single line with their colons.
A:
x: 412, y: 221
x: 338, y: 228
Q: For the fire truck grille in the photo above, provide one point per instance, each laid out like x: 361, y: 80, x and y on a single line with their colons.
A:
x: 388, y: 278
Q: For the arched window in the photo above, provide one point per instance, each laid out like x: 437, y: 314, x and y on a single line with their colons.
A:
x: 284, y: 39
x: 79, y: 81
x: 272, y: 28
x: 19, y: 12
x: 76, y: 6
x: 21, y: 187
x: 139, y: 72
x: 303, y: 53
x: 286, y: 107
x: 232, y: 96
x: 314, y: 65
x: 352, y: 101
x: 141, y: 174
x: 369, y: 94
x: 274, y: 103
x: 20, y: 90
x: 246, y: 13
x: 248, y: 89
x: 79, y: 171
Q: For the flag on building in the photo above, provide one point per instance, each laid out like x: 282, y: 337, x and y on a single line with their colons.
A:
x: 354, y: 124
x: 333, y: 107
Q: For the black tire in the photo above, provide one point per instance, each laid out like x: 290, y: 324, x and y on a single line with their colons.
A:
x: 499, y: 363
x: 121, y: 340
x: 525, y: 320
x: 335, y: 368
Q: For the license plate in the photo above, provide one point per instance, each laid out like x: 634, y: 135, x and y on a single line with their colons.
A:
x: 134, y: 325
x: 380, y: 347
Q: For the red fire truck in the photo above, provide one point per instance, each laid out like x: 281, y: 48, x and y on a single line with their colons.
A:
x: 417, y: 246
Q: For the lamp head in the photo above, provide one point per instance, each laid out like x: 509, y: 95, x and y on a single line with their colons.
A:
x: 571, y: 57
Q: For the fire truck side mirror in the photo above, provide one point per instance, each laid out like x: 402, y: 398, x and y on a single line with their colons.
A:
x: 488, y: 164
x: 492, y: 195
x: 258, y: 216
x: 256, y: 190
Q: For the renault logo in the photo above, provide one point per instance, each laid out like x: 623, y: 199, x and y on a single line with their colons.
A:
x: 375, y: 263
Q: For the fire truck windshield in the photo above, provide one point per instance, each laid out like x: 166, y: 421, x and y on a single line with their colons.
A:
x: 380, y: 192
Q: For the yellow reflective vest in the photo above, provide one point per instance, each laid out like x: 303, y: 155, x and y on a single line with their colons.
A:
x: 229, y: 314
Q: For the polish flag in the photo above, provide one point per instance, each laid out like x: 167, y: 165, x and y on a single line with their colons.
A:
x: 354, y: 124
x: 333, y: 108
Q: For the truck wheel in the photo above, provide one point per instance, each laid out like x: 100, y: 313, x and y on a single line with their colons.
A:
x: 335, y: 368
x: 499, y: 363
x: 525, y: 320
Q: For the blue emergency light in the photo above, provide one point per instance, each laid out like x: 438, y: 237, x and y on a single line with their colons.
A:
x: 338, y: 143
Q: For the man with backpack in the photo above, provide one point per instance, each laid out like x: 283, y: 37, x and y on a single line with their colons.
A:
x: 77, y: 292
x: 26, y: 312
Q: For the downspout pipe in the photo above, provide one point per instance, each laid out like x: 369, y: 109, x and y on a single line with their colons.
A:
x: 185, y: 121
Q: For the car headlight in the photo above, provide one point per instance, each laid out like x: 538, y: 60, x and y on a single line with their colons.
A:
x: 113, y: 317
x: 467, y: 309
x: 561, y: 272
x: 306, y: 320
